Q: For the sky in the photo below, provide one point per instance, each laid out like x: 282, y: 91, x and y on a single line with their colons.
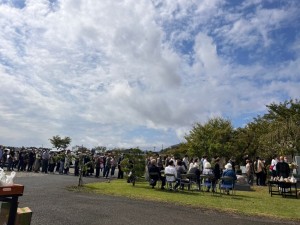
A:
x: 127, y: 73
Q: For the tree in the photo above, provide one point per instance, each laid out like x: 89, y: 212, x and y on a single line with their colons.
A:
x: 248, y: 139
x: 212, y: 138
x: 101, y: 149
x: 283, y: 134
x: 134, y: 161
x: 60, y: 143
x: 83, y: 166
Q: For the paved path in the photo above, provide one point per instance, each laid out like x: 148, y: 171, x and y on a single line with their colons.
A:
x: 52, y: 204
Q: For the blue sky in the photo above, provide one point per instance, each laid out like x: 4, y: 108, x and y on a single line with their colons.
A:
x: 140, y: 73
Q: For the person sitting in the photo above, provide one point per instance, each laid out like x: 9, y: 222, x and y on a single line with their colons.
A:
x: 170, y: 169
x: 180, y: 169
x: 228, y: 172
x: 154, y: 175
x: 209, y: 182
x: 195, y: 171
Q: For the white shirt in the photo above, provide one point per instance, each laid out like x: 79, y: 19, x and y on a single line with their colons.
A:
x: 171, y: 170
x: 273, y: 163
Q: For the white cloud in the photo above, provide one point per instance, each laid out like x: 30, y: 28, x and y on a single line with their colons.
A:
x: 128, y: 73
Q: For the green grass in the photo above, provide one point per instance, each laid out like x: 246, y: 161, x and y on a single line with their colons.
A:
x: 257, y: 202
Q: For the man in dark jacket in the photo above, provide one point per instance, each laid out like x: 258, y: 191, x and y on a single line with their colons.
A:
x: 154, y: 175
x: 282, y: 168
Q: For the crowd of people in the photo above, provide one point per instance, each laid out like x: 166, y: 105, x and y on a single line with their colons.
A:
x: 47, y: 161
x: 254, y: 171
x: 279, y: 167
x: 104, y: 165
x: 195, y: 166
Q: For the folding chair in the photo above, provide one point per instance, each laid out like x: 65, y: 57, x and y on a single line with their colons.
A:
x: 184, y: 181
x: 226, y: 184
x: 206, y: 182
x: 170, y: 180
x: 193, y: 181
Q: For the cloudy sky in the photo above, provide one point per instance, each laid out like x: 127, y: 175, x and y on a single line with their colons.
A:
x: 129, y: 73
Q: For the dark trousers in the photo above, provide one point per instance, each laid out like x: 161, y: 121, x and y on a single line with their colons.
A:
x: 76, y: 170
x: 120, y: 174
x: 45, y: 166
x: 51, y: 167
x: 106, y: 171
x: 97, y: 171
x: 113, y: 168
x: 30, y: 165
x: 21, y: 165
x: 259, y: 178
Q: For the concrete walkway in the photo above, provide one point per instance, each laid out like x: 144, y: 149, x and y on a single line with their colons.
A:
x: 52, y: 204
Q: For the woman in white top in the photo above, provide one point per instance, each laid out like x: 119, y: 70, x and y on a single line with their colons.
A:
x: 273, y: 165
x: 194, y: 164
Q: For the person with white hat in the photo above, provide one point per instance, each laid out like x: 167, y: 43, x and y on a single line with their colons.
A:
x: 228, y: 172
x: 209, y: 181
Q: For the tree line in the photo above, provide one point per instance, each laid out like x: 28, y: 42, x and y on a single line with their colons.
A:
x: 277, y: 132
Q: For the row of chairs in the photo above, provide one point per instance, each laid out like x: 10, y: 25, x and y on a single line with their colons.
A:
x: 225, y: 184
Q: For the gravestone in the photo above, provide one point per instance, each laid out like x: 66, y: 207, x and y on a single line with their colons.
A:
x: 297, y: 160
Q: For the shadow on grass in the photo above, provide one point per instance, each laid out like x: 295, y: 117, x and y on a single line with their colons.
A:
x: 237, y: 196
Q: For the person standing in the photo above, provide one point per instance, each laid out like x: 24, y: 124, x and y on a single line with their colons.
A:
x: 10, y: 161
x: 37, y: 162
x: 273, y: 166
x: 216, y: 169
x: 113, y: 164
x: 45, y: 161
x: 249, y: 172
x: 76, y: 166
x: 120, y: 170
x: 258, y: 168
x: 51, y: 162
x: 107, y: 166
x: 4, y: 159
x: 30, y: 160
x: 21, y: 160
x: 97, y: 166
x: 283, y: 170
x: 232, y: 162
x: 67, y: 163
x: 185, y: 162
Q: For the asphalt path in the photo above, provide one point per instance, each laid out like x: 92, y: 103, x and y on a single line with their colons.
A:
x: 47, y: 196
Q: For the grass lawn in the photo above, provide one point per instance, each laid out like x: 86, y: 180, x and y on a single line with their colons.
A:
x: 257, y: 202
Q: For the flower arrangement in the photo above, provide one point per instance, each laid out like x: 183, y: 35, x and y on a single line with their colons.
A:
x: 293, y: 166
